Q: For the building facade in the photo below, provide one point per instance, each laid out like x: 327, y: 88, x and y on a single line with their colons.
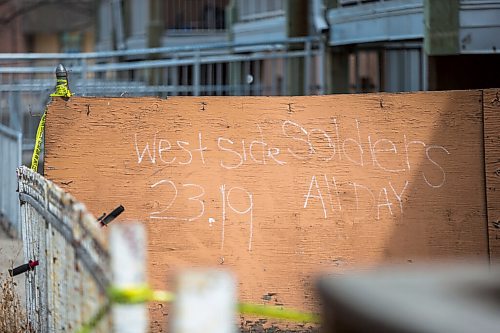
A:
x: 37, y: 26
x: 369, y: 45
x: 245, y: 47
x: 47, y: 26
x: 266, y: 25
x: 407, y: 45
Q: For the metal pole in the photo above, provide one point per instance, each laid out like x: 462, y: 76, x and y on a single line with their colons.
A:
x: 184, y: 82
x: 274, y: 77
x: 247, y: 79
x: 284, y: 82
x: 15, y: 121
x: 175, y: 79
x: 118, y: 23
x: 356, y: 71
x: 19, y: 163
x: 307, y: 67
x: 84, y: 76
x: 322, y: 59
x: 196, y: 74
x: 257, y: 79
x: 424, y: 71
x: 218, y: 80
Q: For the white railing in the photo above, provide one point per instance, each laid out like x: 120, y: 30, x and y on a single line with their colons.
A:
x: 26, y: 80
x: 10, y: 160
x: 211, y: 69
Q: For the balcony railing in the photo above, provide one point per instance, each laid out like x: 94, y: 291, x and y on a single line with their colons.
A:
x: 347, y: 3
x: 193, y: 16
x: 376, y: 21
x: 252, y: 10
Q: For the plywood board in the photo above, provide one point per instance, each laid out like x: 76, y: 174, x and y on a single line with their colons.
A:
x: 278, y: 189
x: 492, y: 168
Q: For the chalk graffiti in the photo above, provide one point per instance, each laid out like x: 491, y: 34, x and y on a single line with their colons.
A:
x: 171, y: 192
x: 296, y: 142
x: 375, y: 200
x: 292, y: 143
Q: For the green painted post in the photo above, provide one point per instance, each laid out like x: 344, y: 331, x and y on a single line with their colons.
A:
x: 441, y: 27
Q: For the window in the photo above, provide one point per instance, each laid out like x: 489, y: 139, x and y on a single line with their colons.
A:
x: 195, y: 15
x: 250, y: 10
x: 71, y: 42
x: 364, y: 71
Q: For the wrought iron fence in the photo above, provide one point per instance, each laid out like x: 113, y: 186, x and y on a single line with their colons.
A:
x: 10, y: 160
x: 69, y: 285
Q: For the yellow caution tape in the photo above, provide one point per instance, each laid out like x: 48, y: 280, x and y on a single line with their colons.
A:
x: 62, y: 89
x: 136, y: 294
x: 278, y: 312
x: 38, y: 144
x: 142, y: 294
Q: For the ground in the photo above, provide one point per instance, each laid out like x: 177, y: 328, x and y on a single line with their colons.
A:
x: 12, y: 311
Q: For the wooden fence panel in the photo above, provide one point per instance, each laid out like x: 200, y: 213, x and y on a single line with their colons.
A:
x: 492, y: 168
x: 279, y: 189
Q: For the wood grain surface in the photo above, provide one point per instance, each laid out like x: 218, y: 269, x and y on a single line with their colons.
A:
x: 280, y: 189
x: 492, y: 168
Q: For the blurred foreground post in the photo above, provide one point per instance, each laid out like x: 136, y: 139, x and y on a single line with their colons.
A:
x: 205, y: 302
x: 128, y: 261
x: 433, y: 298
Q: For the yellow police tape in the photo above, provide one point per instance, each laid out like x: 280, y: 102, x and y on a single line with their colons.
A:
x: 278, y: 312
x: 138, y: 294
x: 38, y: 144
x: 143, y: 293
x: 62, y: 90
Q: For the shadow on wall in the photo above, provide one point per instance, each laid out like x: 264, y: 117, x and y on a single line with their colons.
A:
x: 450, y: 180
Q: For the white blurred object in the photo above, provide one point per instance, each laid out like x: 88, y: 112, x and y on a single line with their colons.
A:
x: 423, y: 298
x: 211, y: 220
x: 128, y: 260
x: 205, y: 303
x: 249, y: 79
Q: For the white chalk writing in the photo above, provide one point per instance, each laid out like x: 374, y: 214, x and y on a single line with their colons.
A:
x: 336, y: 150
